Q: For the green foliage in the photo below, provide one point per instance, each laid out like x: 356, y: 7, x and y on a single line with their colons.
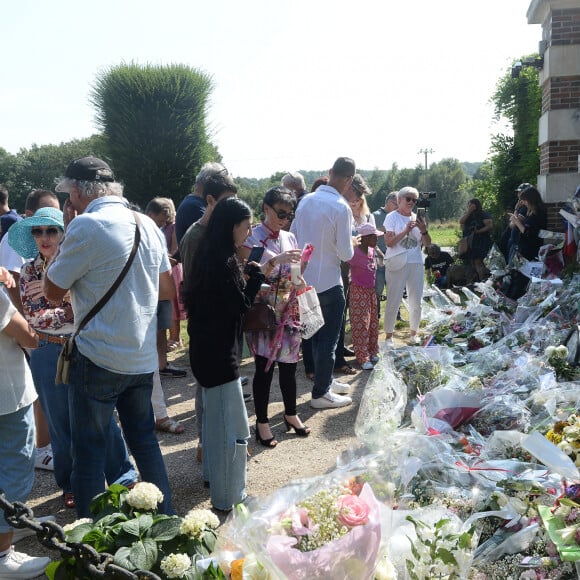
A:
x: 39, y: 166
x: 138, y: 539
x: 154, y: 118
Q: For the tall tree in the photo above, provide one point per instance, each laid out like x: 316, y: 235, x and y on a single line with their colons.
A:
x: 154, y: 118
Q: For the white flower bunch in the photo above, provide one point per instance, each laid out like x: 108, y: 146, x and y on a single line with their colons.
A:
x: 175, y: 565
x: 556, y: 351
x: 144, y: 496
x: 73, y: 525
x: 196, y: 521
x: 385, y: 570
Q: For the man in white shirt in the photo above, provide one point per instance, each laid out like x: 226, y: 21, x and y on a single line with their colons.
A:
x: 324, y: 219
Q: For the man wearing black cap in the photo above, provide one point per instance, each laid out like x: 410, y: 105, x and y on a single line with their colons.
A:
x: 325, y: 220
x: 115, y: 353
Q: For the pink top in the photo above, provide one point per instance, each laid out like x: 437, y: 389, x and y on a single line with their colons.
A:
x: 363, y: 268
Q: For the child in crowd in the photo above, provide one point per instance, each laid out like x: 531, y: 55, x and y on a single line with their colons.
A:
x: 437, y: 263
x: 364, y: 319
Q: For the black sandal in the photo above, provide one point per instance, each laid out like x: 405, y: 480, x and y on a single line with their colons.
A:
x: 270, y: 443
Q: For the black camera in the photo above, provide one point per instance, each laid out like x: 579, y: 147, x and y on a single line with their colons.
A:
x: 425, y: 198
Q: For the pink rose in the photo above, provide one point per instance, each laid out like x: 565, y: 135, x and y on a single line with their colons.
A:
x: 352, y: 511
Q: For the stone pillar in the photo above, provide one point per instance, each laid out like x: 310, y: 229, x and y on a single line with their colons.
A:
x: 559, y: 129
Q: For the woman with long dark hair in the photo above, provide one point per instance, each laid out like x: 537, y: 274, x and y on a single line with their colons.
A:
x: 478, y: 224
x: 218, y: 296
x: 529, y: 242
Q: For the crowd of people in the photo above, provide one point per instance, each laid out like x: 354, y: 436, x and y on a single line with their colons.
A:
x: 96, y: 293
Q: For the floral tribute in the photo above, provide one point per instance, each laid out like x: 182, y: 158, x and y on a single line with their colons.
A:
x: 126, y: 525
x: 333, y: 533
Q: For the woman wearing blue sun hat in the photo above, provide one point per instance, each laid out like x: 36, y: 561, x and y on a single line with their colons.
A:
x: 36, y: 239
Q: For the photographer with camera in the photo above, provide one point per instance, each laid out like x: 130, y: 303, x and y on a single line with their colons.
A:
x: 405, y: 234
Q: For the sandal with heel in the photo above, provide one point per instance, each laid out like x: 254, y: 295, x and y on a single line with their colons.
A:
x: 270, y: 443
x: 300, y: 431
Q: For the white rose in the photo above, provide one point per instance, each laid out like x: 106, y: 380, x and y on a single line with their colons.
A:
x: 562, y: 351
x: 385, y: 570
x: 550, y: 351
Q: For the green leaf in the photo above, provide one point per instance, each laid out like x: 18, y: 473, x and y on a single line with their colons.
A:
x: 50, y: 570
x: 465, y: 540
x: 166, y: 529
x: 78, y: 533
x: 122, y: 558
x: 441, y: 523
x: 414, y: 550
x: 144, y: 554
x: 139, y: 526
x: 410, y: 568
x: 446, y: 556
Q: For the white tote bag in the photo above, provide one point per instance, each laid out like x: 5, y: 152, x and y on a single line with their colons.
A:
x: 311, y: 319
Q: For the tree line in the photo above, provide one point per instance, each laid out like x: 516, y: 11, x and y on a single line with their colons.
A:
x: 155, y: 135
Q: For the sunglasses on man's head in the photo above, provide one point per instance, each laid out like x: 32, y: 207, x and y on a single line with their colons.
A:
x: 39, y: 232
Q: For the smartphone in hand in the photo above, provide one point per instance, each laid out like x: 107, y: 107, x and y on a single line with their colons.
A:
x: 421, y: 214
x: 256, y: 254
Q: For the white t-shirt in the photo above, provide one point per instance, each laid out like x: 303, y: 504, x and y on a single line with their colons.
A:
x: 396, y: 222
x: 9, y: 258
x: 16, y: 386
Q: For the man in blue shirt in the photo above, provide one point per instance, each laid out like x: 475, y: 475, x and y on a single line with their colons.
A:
x: 7, y: 216
x: 115, y: 353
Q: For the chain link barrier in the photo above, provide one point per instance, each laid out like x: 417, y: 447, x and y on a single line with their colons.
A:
x: 52, y: 536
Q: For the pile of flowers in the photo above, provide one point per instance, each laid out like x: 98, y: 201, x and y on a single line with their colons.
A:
x: 126, y: 525
x: 566, y: 436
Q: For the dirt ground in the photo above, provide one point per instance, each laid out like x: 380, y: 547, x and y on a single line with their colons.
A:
x: 268, y: 469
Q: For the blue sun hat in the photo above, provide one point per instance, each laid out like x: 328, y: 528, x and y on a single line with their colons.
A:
x: 20, y: 234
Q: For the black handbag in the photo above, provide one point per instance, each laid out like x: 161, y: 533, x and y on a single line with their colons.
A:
x: 261, y: 317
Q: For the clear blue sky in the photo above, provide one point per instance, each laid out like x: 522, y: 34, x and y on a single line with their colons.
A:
x: 297, y: 82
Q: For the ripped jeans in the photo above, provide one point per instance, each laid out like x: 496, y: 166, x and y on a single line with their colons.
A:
x: 225, y: 443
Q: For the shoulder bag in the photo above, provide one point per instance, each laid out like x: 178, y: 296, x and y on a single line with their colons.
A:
x: 261, y: 317
x: 63, y: 364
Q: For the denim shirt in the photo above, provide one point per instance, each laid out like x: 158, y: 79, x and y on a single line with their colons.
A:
x: 122, y: 336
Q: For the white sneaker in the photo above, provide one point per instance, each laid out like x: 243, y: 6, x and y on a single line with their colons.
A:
x: 330, y: 400
x: 21, y: 533
x: 367, y: 366
x: 339, y: 388
x: 44, y: 459
x: 19, y: 566
x: 375, y: 359
x: 389, y: 343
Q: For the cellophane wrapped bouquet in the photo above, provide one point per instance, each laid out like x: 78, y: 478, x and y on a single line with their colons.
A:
x: 328, y: 527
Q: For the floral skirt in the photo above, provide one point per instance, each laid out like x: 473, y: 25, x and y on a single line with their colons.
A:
x: 287, y: 350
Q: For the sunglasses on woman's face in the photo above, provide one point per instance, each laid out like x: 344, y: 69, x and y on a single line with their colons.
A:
x: 39, y: 232
x: 411, y: 199
x: 283, y: 214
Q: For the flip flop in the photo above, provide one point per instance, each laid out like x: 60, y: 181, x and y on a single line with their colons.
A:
x: 168, y: 425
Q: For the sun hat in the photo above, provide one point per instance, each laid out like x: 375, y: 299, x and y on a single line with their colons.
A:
x: 20, y: 234
x: 367, y: 229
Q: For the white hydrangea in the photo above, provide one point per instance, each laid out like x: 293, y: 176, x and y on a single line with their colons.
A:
x: 550, y: 351
x: 196, y: 521
x: 144, y: 496
x: 73, y: 525
x: 175, y: 565
x: 562, y: 351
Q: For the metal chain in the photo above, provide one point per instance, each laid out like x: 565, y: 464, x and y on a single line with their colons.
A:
x: 52, y: 536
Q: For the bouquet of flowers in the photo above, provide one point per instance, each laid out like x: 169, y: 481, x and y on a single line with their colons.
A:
x: 327, y: 528
x: 126, y: 525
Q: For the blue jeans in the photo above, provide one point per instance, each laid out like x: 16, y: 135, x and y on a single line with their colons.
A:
x: 17, y: 452
x: 332, y: 303
x: 54, y: 402
x: 225, y: 444
x: 94, y: 394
